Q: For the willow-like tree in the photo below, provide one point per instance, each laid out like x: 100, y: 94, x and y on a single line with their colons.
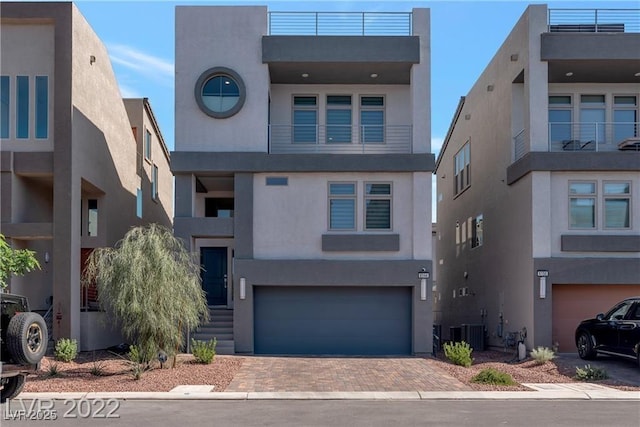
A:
x: 15, y: 262
x: 151, y: 285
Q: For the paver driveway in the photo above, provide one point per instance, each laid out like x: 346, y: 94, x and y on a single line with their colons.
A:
x: 261, y: 373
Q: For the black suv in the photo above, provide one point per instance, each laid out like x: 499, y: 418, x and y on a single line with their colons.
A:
x: 616, y: 333
x: 23, y: 343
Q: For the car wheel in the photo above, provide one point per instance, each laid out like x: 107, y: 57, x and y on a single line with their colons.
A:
x: 12, y: 387
x: 585, y: 346
x: 27, y: 338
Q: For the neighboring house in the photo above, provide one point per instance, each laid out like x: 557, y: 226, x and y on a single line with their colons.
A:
x: 303, y: 177
x: 71, y: 178
x: 538, y: 181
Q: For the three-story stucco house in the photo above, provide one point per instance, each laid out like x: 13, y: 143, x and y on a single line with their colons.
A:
x: 79, y: 165
x: 303, y: 177
x: 539, y: 183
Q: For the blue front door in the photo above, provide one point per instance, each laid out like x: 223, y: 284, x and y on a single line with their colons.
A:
x: 214, y: 274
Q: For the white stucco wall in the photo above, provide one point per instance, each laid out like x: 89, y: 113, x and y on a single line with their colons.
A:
x: 290, y: 220
x: 27, y: 50
x: 229, y: 37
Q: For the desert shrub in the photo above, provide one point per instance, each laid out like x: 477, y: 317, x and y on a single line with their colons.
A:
x: 459, y: 353
x: 137, y: 361
x: 53, y: 371
x: 203, y: 351
x: 589, y: 373
x: 66, y: 349
x: 542, y: 355
x: 494, y: 377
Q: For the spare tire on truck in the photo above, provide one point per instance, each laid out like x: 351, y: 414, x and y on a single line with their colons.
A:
x: 27, y: 338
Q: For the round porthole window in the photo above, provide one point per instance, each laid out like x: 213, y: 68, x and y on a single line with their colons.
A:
x: 220, y: 92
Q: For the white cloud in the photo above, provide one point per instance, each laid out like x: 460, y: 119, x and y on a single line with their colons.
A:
x: 436, y: 144
x: 142, y: 63
x: 128, y: 92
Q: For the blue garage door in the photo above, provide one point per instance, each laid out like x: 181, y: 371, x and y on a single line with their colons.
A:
x: 332, y: 320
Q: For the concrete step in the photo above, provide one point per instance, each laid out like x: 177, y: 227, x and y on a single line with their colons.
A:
x: 209, y: 329
x: 206, y: 336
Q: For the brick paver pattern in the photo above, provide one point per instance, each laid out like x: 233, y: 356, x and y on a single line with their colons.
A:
x: 342, y: 374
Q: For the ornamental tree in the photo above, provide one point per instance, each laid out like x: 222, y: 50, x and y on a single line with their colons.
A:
x: 151, y: 285
x: 16, y: 262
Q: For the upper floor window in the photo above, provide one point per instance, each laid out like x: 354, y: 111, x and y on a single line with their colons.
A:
x: 305, y: 119
x: 617, y: 202
x: 560, y: 117
x: 372, y: 119
x: 342, y: 205
x: 5, y: 99
x: 377, y: 199
x: 139, y: 203
x: 338, y: 119
x: 582, y: 204
x: 625, y: 117
x: 147, y: 145
x: 592, y: 118
x: 22, y: 107
x: 462, y: 161
x: 154, y: 182
x: 220, y: 92
x: 42, y: 107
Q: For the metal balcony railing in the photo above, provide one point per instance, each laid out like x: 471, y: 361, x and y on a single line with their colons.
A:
x: 340, y: 23
x: 594, y: 136
x: 373, y: 139
x: 594, y: 20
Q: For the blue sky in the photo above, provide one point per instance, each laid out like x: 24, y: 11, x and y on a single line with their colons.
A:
x: 465, y: 35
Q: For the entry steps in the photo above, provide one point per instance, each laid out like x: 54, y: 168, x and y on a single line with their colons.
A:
x: 220, y: 327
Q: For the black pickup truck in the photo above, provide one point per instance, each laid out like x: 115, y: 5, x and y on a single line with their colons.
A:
x: 23, y: 343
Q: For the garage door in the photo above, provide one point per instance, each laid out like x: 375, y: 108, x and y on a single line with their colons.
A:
x: 574, y: 303
x: 332, y: 320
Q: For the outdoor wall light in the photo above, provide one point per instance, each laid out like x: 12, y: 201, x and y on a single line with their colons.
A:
x: 542, y: 275
x: 423, y: 275
x: 92, y: 59
x: 243, y: 288
x: 46, y: 257
x: 514, y: 57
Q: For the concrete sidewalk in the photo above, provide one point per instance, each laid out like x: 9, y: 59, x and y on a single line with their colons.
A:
x: 569, y: 391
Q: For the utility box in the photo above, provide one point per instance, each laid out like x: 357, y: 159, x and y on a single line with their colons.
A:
x: 473, y: 335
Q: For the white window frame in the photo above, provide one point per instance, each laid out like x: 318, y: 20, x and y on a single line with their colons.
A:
x: 368, y: 197
x: 353, y: 197
x: 295, y: 108
x: 606, y: 197
x: 364, y: 108
x: 593, y: 196
x: 561, y: 107
x: 624, y: 107
x: 148, y: 141
x: 328, y: 125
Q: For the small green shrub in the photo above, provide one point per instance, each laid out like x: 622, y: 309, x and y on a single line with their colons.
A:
x: 97, y: 369
x: 459, y: 353
x: 589, y: 373
x: 136, y: 361
x: 494, y: 377
x: 66, y: 349
x: 542, y: 355
x: 203, y: 351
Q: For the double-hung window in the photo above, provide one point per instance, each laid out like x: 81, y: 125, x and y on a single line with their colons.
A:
x: 342, y: 205
x: 560, y: 117
x: 582, y: 204
x: 305, y: 119
x: 617, y: 203
x: 372, y: 119
x: 377, y: 200
x: 338, y: 129
x: 625, y: 117
x: 462, y: 162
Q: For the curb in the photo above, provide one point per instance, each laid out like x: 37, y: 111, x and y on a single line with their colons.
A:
x: 608, y: 394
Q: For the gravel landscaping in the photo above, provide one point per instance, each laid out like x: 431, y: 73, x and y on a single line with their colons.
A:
x: 102, y: 371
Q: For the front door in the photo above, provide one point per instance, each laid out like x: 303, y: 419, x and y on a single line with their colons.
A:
x: 214, y: 274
